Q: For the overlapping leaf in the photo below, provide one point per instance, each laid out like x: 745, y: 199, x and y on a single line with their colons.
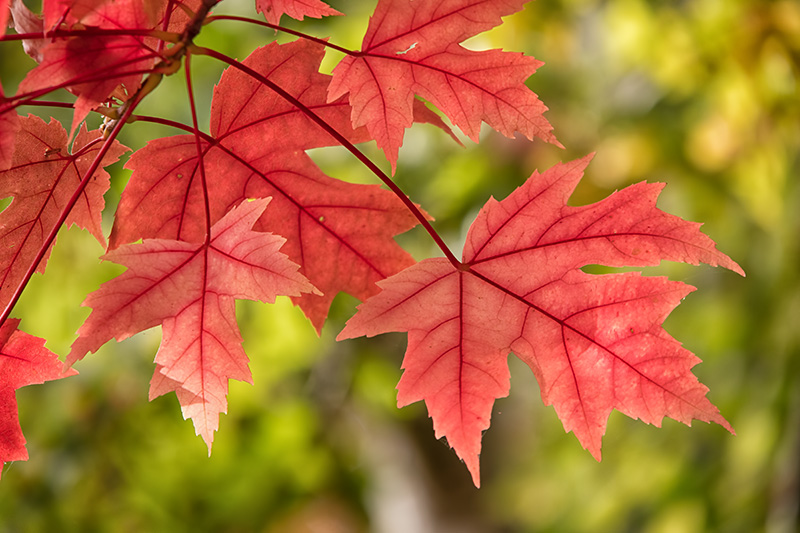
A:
x: 95, y: 66
x: 23, y: 361
x: 594, y: 343
x: 341, y: 234
x: 42, y: 177
x: 412, y: 48
x: 190, y: 288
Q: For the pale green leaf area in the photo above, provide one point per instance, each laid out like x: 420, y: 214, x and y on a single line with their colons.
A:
x: 701, y: 95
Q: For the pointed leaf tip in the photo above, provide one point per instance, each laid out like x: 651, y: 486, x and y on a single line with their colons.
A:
x: 23, y: 361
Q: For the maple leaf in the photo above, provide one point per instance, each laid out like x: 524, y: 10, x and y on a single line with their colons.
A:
x: 41, y: 179
x: 341, y: 234
x: 594, y: 342
x: 297, y: 9
x: 189, y: 288
x: 412, y: 48
x: 23, y: 361
x: 96, y: 66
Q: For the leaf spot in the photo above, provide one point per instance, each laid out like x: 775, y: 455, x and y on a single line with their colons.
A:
x: 407, y: 50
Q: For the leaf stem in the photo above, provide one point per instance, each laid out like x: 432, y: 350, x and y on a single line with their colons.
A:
x: 87, y: 147
x: 46, y: 103
x: 93, y: 32
x: 290, y: 31
x: 196, y: 131
x: 423, y: 220
x: 172, y: 123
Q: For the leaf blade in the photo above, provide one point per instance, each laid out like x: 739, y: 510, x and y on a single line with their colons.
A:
x: 412, y: 48
x: 594, y: 343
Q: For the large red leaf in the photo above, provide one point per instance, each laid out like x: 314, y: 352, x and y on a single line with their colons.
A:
x: 412, y: 48
x: 297, y: 9
x: 190, y: 288
x: 594, y: 342
x: 42, y: 177
x: 23, y: 361
x: 341, y: 234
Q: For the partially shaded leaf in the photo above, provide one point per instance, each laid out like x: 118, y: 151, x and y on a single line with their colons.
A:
x: 97, y: 66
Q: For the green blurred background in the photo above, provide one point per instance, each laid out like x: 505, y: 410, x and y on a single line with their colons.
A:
x: 703, y: 95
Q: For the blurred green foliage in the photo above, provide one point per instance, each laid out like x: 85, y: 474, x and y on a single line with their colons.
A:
x: 703, y: 95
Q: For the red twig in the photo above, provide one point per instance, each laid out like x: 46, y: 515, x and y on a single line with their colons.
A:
x: 284, y: 30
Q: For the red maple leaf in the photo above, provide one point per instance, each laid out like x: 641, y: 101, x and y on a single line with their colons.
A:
x: 341, y: 234
x: 297, y: 9
x: 95, y: 65
x: 594, y: 342
x: 23, y: 361
x: 42, y: 177
x: 190, y: 288
x: 412, y: 48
